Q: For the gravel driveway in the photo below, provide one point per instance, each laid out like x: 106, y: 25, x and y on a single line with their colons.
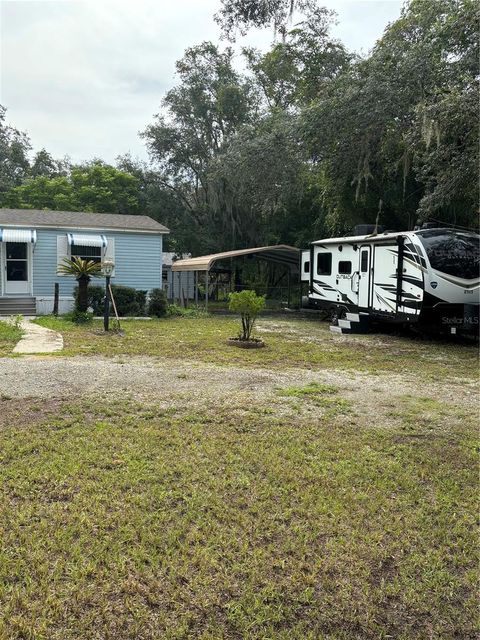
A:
x: 164, y: 380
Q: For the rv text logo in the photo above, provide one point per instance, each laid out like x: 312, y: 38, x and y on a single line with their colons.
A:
x: 434, y: 285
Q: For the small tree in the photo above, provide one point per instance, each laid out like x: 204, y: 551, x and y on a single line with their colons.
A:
x: 248, y: 305
x: 83, y: 271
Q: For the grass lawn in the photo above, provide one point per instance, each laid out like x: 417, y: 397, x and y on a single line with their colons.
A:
x: 303, y: 512
x: 131, y: 521
x: 290, y: 343
x: 9, y: 336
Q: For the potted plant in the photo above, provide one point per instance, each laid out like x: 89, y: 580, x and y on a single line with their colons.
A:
x: 83, y: 271
x: 248, y: 305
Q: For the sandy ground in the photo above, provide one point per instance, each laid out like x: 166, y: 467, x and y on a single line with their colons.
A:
x: 170, y: 381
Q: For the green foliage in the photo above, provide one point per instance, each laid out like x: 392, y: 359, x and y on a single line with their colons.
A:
x: 93, y: 187
x: 174, y: 310
x: 10, y: 334
x: 241, y: 15
x: 129, y: 301
x: 14, y: 148
x: 80, y: 268
x: 79, y: 317
x: 248, y: 305
x: 309, y: 142
x: 95, y: 299
x: 157, y: 303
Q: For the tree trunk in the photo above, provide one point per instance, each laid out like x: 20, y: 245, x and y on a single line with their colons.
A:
x: 82, y: 304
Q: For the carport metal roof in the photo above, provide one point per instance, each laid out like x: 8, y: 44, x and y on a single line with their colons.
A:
x: 281, y: 253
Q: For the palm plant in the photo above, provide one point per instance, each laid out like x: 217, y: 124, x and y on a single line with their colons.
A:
x: 83, y: 271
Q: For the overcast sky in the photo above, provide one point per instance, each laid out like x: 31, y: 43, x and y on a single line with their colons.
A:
x: 83, y: 78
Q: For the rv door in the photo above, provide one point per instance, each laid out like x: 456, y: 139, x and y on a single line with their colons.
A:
x: 364, y: 277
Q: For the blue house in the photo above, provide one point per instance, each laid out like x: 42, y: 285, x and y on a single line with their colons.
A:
x: 33, y: 243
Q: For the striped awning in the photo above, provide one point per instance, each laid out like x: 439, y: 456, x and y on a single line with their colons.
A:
x: 84, y: 240
x: 18, y: 235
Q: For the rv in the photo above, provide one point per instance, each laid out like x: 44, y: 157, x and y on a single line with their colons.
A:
x: 429, y: 277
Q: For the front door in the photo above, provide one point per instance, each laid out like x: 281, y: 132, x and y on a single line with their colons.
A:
x: 16, y: 268
x: 364, y: 278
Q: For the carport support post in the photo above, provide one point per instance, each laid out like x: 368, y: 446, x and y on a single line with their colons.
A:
x: 179, y: 289
x: 206, y: 289
x: 288, y: 284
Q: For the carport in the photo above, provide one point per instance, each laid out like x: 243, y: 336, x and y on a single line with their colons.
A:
x: 280, y: 254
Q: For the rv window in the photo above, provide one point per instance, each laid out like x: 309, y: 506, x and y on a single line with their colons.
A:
x: 324, y: 264
x: 364, y: 262
x: 454, y: 252
x: 344, y: 266
x: 306, y: 266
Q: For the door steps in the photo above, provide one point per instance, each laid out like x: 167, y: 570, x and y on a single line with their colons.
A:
x: 26, y: 306
x: 352, y: 323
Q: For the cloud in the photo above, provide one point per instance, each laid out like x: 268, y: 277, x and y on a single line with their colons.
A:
x: 83, y: 78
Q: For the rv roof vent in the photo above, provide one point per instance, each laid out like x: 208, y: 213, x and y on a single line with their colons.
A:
x: 366, y: 229
x: 429, y: 225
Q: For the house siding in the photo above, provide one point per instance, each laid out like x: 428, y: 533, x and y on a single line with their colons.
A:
x: 138, y: 262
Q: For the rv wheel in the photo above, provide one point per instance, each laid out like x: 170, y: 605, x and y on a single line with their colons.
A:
x: 338, y: 313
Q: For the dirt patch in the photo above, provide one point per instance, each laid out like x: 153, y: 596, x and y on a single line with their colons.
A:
x: 170, y: 383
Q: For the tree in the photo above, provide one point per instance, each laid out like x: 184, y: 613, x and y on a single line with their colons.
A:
x: 83, y: 271
x: 159, y: 201
x: 241, y: 15
x: 209, y: 106
x: 248, y: 305
x: 295, y: 69
x: 255, y: 180
x: 44, y: 165
x: 380, y: 130
x: 14, y: 148
x: 100, y: 187
x: 95, y: 187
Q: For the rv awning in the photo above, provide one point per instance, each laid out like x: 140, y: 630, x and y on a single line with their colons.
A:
x: 18, y: 235
x: 84, y: 240
x: 281, y: 253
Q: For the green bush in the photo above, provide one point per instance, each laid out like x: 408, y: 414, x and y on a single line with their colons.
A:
x: 79, y: 317
x: 186, y: 312
x: 248, y: 305
x: 157, y: 305
x: 129, y: 301
x: 95, y: 298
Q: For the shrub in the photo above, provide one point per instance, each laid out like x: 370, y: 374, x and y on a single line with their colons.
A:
x: 157, y: 305
x: 83, y: 271
x: 248, y: 305
x: 129, y: 301
x: 186, y: 312
x: 79, y: 317
x: 95, y: 298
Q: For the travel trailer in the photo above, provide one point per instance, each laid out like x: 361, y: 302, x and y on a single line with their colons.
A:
x: 429, y: 277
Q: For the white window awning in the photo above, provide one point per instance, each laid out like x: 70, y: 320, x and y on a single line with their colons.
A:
x: 84, y: 240
x: 18, y: 235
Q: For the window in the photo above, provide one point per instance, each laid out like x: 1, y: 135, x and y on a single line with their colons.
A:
x: 86, y: 253
x: 16, y: 263
x: 454, y: 252
x: 345, y: 266
x: 364, y: 261
x: 324, y: 264
x: 306, y: 266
